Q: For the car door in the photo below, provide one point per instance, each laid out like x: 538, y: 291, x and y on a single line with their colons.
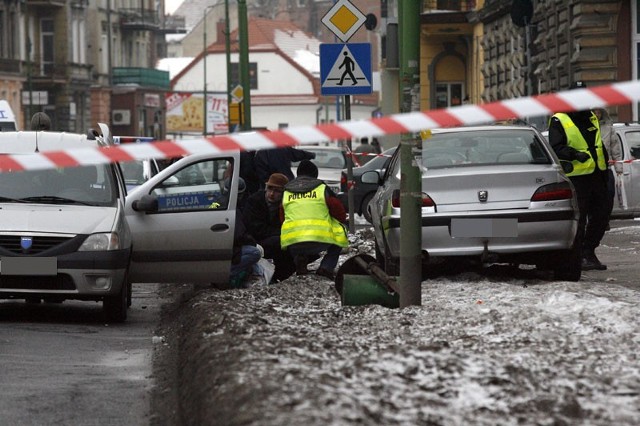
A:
x: 631, y: 172
x: 182, y: 221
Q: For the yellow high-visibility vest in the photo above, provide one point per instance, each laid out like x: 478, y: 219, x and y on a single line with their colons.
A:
x: 307, y: 219
x: 578, y: 142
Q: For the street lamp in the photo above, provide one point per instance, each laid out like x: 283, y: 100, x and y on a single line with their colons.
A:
x: 204, y: 62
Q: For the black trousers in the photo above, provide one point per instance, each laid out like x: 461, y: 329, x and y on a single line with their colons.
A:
x: 594, y: 203
x: 281, y: 258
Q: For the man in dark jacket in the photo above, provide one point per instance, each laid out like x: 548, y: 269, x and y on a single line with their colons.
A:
x: 262, y: 216
x: 313, y: 221
x: 278, y: 160
x: 245, y: 251
x: 575, y: 137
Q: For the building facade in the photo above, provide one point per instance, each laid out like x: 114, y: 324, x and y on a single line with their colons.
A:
x: 64, y: 57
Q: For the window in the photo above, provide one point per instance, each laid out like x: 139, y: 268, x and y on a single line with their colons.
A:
x: 253, y: 75
x: 483, y: 147
x: 448, y: 94
x: 46, y: 46
x: 199, y: 186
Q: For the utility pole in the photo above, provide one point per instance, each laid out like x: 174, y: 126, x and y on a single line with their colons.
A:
x: 204, y: 66
x: 245, y: 82
x: 411, y: 176
x: 227, y: 46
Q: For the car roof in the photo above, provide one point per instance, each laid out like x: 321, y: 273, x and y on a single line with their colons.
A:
x: 26, y: 142
x: 320, y: 148
x: 495, y: 127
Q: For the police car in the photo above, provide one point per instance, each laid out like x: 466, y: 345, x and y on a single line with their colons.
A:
x: 72, y: 234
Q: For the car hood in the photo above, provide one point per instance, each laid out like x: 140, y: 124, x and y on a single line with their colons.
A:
x: 56, y: 219
x: 507, y: 187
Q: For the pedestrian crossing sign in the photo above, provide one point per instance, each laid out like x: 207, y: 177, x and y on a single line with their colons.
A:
x: 345, y: 69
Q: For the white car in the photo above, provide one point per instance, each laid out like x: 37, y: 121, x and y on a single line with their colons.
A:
x: 330, y: 162
x: 71, y: 233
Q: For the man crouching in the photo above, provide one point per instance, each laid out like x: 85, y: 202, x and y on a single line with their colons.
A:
x: 313, y: 222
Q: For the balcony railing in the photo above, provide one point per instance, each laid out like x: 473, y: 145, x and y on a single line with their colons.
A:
x: 11, y: 66
x: 139, y: 19
x: 146, y: 77
x: 452, y: 5
x: 174, y: 24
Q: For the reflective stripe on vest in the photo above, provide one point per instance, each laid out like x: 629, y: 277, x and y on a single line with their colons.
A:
x: 307, y: 219
x: 576, y: 141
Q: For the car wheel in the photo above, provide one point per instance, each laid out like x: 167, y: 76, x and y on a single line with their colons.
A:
x: 570, y: 268
x: 364, y: 207
x: 115, y: 307
x: 129, y: 293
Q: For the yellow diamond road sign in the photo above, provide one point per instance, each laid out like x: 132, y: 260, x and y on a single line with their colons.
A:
x: 343, y: 19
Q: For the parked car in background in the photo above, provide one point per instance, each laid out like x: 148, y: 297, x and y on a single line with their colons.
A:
x: 629, y: 136
x: 490, y: 194
x: 137, y: 172
x: 363, y: 192
x: 627, y: 205
x: 330, y: 162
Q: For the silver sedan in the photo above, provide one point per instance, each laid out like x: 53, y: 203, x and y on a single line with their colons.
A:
x: 491, y: 194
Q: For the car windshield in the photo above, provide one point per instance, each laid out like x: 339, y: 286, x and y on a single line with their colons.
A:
x: 379, y: 162
x: 484, y: 147
x: 87, y: 185
x: 326, y: 158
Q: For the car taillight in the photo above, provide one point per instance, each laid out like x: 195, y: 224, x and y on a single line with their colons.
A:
x: 426, y: 200
x: 343, y: 182
x: 553, y: 191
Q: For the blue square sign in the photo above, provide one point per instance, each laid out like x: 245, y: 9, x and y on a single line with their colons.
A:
x: 345, y: 69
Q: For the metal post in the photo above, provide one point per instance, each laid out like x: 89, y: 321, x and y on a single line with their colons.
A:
x: 204, y: 62
x: 350, y: 201
x: 227, y: 45
x: 527, y: 41
x: 245, y: 82
x: 411, y: 179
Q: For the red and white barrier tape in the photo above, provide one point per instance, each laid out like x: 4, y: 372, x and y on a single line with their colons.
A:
x: 574, y: 100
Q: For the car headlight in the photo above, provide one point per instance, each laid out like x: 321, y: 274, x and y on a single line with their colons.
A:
x: 101, y: 242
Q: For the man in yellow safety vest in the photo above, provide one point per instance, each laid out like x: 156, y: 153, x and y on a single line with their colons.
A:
x: 313, y: 222
x: 575, y: 137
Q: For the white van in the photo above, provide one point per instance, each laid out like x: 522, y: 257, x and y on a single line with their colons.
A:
x: 73, y: 233
x: 7, y: 119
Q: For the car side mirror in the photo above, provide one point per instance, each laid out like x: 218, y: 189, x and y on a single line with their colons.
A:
x: 170, y: 182
x: 567, y: 166
x: 371, y: 176
x: 147, y: 203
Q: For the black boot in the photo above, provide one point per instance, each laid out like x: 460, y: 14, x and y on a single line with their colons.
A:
x: 301, y: 263
x: 590, y: 262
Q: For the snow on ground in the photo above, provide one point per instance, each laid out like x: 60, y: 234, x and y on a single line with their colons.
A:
x: 483, y: 349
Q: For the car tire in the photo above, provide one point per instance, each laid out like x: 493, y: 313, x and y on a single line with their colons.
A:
x: 364, y: 207
x: 129, y: 294
x: 115, y: 307
x: 570, y: 268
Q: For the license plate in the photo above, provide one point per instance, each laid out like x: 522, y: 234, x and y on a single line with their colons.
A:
x: 484, y: 228
x: 28, y: 266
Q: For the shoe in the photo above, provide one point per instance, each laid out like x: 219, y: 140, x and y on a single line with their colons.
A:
x: 301, y: 263
x: 324, y: 272
x: 590, y: 263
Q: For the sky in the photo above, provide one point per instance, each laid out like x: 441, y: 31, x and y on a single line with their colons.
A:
x: 171, y: 5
